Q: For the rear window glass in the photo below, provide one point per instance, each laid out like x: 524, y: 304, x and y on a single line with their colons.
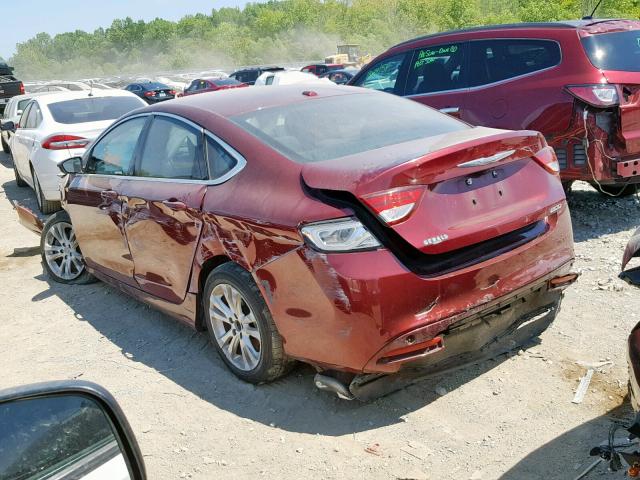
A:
x: 92, y: 109
x: 614, y: 51
x: 326, y: 128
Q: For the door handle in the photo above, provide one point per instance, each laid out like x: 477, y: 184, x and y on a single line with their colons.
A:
x: 450, y: 110
x: 109, y: 195
x: 174, y: 204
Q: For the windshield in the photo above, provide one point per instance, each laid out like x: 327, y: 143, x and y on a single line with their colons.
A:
x: 92, y: 109
x: 23, y: 103
x: 614, y: 51
x: 320, y: 129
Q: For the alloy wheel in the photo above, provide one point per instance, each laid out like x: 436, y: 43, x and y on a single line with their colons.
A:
x: 62, y: 252
x: 235, y: 327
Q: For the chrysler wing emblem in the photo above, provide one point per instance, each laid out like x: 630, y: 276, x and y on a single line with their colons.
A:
x: 478, y: 162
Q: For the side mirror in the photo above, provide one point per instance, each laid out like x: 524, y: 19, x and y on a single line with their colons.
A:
x: 71, y: 165
x: 67, y: 429
x: 8, y: 126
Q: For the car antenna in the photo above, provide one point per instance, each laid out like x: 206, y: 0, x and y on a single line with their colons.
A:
x: 590, y: 17
x: 91, y: 88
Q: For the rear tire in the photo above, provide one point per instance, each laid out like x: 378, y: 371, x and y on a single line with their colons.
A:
x: 616, y: 190
x: 19, y: 181
x: 61, y: 255
x: 5, y: 146
x: 240, y: 326
x: 46, y: 206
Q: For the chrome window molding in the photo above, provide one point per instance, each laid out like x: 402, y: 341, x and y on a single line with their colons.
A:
x: 239, y: 166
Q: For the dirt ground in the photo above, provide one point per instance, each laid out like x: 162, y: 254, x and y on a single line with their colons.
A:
x: 511, y: 418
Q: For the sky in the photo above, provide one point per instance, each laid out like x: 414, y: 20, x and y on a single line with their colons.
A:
x: 23, y: 19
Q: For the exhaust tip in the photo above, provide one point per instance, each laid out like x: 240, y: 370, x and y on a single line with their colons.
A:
x: 330, y: 384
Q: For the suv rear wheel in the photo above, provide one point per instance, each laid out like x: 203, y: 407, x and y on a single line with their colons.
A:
x: 240, y: 326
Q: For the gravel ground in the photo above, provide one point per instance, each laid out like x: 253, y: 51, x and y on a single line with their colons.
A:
x: 510, y: 418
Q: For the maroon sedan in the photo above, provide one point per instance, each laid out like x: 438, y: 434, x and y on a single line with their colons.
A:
x: 203, y: 85
x: 402, y: 240
x: 577, y: 82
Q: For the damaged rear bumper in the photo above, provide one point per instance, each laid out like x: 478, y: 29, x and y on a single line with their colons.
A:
x: 507, y: 324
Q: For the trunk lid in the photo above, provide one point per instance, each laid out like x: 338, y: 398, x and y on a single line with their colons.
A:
x: 478, y: 184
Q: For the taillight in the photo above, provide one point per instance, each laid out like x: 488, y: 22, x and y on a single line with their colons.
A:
x: 149, y: 94
x: 62, y: 142
x: 172, y: 92
x: 21, y: 88
x: 597, y: 95
x: 394, y: 205
x: 547, y: 158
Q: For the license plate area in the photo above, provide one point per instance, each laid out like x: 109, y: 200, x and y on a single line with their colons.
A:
x: 630, y: 168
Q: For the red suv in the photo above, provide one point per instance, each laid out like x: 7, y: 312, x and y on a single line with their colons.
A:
x: 577, y: 82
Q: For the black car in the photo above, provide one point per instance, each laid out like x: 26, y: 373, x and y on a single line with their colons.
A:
x: 152, y: 92
x: 250, y: 75
x: 342, y: 76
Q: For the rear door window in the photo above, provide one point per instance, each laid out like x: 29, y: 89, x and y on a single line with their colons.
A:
x: 23, y: 118
x: 388, y: 75
x: 614, y: 51
x: 172, y: 150
x: 437, y: 69
x: 33, y: 117
x: 496, y: 60
x: 113, y: 154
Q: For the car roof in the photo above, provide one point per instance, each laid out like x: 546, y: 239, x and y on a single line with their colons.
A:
x: 228, y: 103
x: 584, y: 24
x: 53, y: 97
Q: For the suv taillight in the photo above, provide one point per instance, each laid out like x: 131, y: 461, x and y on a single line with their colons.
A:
x: 62, y: 142
x: 599, y: 95
x: 21, y: 88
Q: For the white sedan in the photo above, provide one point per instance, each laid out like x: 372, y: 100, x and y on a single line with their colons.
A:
x: 59, y: 126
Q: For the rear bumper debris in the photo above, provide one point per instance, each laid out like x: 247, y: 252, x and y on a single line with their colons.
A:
x: 513, y: 322
x: 28, y: 218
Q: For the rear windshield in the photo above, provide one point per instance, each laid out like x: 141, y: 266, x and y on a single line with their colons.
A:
x: 614, y: 51
x: 320, y: 129
x: 92, y: 109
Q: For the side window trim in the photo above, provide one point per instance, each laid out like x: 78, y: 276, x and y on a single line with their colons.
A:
x: 240, y: 160
x: 136, y: 151
x: 466, y: 63
x: 524, y: 75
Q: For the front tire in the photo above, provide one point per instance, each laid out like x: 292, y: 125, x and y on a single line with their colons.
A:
x: 61, y: 255
x: 240, y: 326
x: 45, y: 206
